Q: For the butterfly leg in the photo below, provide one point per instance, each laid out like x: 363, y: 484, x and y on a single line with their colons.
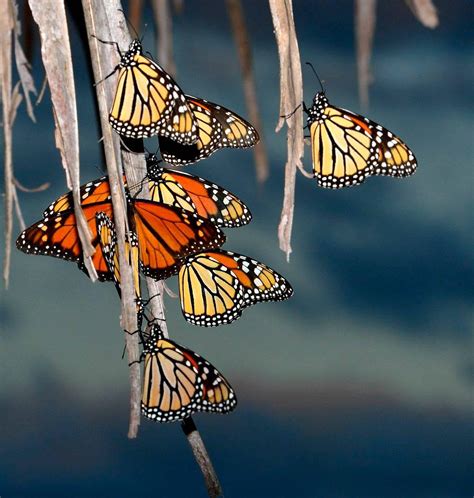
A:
x: 113, y: 43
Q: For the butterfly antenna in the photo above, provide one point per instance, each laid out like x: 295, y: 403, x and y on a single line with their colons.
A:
x: 316, y: 74
x: 130, y: 24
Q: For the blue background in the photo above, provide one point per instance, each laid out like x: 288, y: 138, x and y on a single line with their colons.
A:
x: 361, y: 384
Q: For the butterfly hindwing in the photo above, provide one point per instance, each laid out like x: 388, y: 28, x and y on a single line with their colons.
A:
x: 218, y: 127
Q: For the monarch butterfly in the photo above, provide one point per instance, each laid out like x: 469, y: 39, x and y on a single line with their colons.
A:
x: 148, y: 101
x: 215, y: 286
x: 165, y: 234
x: 347, y: 147
x: 191, y: 193
x: 218, y: 127
x: 178, y: 382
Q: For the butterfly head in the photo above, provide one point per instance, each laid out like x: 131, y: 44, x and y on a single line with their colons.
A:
x: 134, y: 49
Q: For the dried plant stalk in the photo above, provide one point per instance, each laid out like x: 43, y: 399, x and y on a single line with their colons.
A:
x: 164, y: 41
x: 365, y: 17
x: 135, y: 11
x: 98, y: 23
x: 107, y: 22
x: 291, y: 96
x: 242, y: 41
x: 6, y: 30
x: 57, y: 60
x: 214, y: 488
x: 425, y: 12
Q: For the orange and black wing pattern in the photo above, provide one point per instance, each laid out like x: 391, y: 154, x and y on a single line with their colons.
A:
x: 216, y: 286
x: 196, y: 195
x: 218, y: 127
x: 177, y: 382
x: 56, y: 235
x: 149, y: 102
x: 167, y: 235
x: 347, y: 147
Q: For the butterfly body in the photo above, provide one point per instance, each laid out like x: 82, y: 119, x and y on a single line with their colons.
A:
x: 148, y: 101
x: 177, y: 382
x: 347, y: 147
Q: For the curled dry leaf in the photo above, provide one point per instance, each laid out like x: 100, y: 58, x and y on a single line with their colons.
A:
x: 291, y: 96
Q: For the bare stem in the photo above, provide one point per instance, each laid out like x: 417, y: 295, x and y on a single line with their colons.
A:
x: 107, y: 22
x: 244, y: 50
x: 201, y: 455
x: 164, y: 27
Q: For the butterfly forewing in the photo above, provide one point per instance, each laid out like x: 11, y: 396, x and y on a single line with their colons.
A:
x: 149, y: 102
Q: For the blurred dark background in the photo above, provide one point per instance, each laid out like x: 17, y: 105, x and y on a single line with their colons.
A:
x: 359, y: 386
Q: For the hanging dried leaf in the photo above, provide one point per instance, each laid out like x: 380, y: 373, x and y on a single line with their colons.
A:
x: 291, y: 96
x: 365, y: 17
x: 242, y: 41
x: 164, y: 42
x: 57, y: 60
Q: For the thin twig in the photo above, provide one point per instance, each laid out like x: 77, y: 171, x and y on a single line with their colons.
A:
x: 6, y: 30
x: 365, y: 17
x: 201, y: 455
x: 291, y: 96
x: 425, y: 11
x: 164, y: 39
x: 244, y: 50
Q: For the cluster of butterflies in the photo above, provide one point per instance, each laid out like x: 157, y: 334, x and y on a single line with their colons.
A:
x: 177, y: 231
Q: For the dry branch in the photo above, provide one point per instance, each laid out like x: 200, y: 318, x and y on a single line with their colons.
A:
x: 214, y: 488
x: 291, y: 96
x: 365, y: 17
x: 242, y: 41
x: 106, y: 22
x: 57, y: 60
x: 425, y: 12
